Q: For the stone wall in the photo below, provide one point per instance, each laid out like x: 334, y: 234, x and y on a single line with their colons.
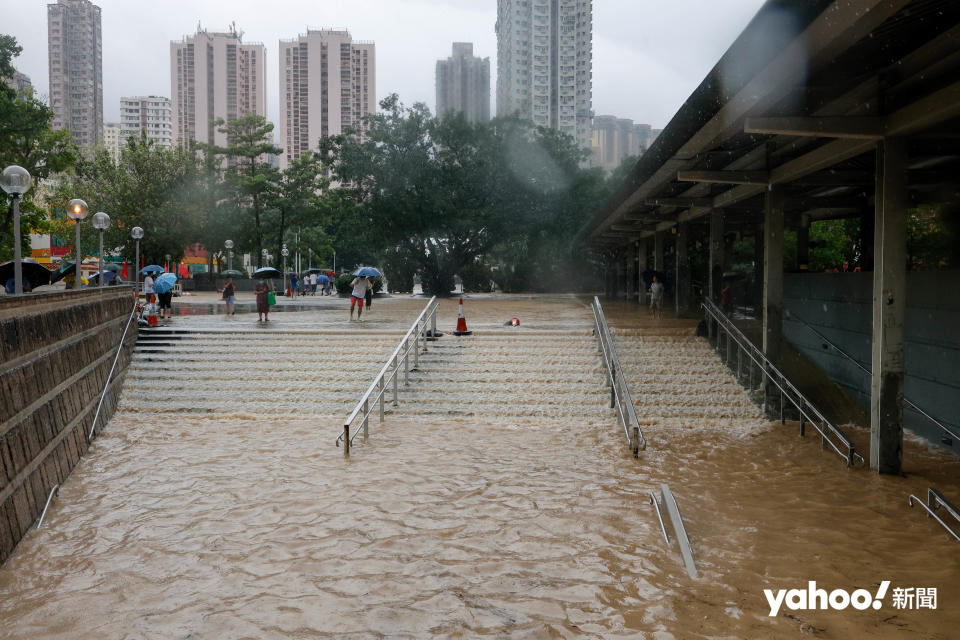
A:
x: 840, y: 306
x: 56, y: 351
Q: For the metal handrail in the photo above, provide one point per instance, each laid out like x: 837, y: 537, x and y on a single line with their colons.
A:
x: 391, y: 372
x: 788, y: 392
x: 867, y: 371
x: 619, y: 390
x: 935, y: 499
x: 133, y: 312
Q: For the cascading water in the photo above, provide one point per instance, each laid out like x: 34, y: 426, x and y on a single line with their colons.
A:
x: 499, y: 499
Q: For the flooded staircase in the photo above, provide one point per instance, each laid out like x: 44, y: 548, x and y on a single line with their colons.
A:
x: 679, y: 384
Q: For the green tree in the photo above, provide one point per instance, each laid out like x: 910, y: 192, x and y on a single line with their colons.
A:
x: 26, y: 139
x: 298, y: 203
x: 448, y: 196
x: 254, y: 180
x: 151, y: 187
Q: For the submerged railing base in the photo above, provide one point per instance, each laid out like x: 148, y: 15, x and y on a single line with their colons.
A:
x: 411, y: 345
x: 620, y: 398
x: 669, y: 503
x: 935, y: 500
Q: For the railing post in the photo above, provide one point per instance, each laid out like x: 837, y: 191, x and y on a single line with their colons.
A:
x: 416, y: 349
x: 346, y: 439
x: 433, y: 322
x: 783, y: 417
x: 406, y: 362
x: 396, y: 375
x: 739, y: 361
x: 366, y: 418
x: 382, y: 399
x: 636, y: 441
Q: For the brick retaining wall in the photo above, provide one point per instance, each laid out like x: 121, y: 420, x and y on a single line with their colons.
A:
x: 56, y: 352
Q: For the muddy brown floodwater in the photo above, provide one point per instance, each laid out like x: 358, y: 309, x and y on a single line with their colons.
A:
x: 498, y: 500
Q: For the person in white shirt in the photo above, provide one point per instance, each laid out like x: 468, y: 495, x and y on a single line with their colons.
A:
x: 313, y: 284
x: 148, y: 288
x: 359, y: 284
x: 656, y: 298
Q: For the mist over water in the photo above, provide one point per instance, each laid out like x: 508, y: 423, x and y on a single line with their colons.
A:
x: 499, y: 499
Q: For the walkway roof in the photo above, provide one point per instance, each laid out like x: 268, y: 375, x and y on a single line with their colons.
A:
x: 801, y: 99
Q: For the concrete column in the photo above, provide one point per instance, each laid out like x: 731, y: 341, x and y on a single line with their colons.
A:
x: 641, y: 267
x: 715, y: 275
x: 889, y: 298
x: 756, y: 295
x: 659, y: 239
x: 682, y: 274
x: 773, y: 282
x: 803, y: 244
x: 867, y: 239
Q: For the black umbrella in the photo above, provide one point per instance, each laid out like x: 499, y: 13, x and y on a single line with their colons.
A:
x: 33, y: 272
x: 266, y: 272
x: 113, y: 266
x: 233, y: 273
x: 65, y: 269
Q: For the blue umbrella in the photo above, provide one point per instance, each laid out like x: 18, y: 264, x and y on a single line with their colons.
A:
x: 153, y: 268
x: 108, y: 277
x: 368, y: 271
x: 165, y: 283
x: 323, y: 278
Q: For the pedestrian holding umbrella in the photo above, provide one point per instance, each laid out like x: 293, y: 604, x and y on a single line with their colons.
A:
x: 31, y: 272
x: 163, y: 287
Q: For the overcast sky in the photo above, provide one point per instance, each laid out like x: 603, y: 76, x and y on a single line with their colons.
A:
x: 648, y: 55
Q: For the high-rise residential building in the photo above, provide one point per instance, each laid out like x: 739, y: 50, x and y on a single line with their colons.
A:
x: 327, y: 85
x: 463, y: 84
x: 545, y: 63
x: 150, y: 115
x: 214, y: 75
x: 616, y: 138
x: 74, y: 46
x: 113, y: 138
x: 20, y: 82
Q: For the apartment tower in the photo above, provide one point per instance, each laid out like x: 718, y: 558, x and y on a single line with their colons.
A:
x: 616, y: 138
x: 214, y: 75
x: 75, y: 58
x: 327, y: 85
x: 545, y: 63
x: 150, y: 115
x: 463, y: 84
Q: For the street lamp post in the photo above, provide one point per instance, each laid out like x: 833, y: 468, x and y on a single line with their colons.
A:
x: 137, y: 234
x: 77, y: 210
x: 16, y: 181
x: 101, y: 222
x: 229, y: 245
x: 284, y: 252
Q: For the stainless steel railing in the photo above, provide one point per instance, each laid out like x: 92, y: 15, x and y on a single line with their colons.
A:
x: 412, y: 343
x: 951, y: 434
x: 935, y: 500
x: 619, y: 391
x: 830, y: 436
x: 133, y: 312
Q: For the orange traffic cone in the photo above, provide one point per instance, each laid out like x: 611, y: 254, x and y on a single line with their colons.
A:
x: 461, y: 323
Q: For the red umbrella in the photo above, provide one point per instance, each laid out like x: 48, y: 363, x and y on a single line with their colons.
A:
x: 184, y: 271
x: 123, y: 272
